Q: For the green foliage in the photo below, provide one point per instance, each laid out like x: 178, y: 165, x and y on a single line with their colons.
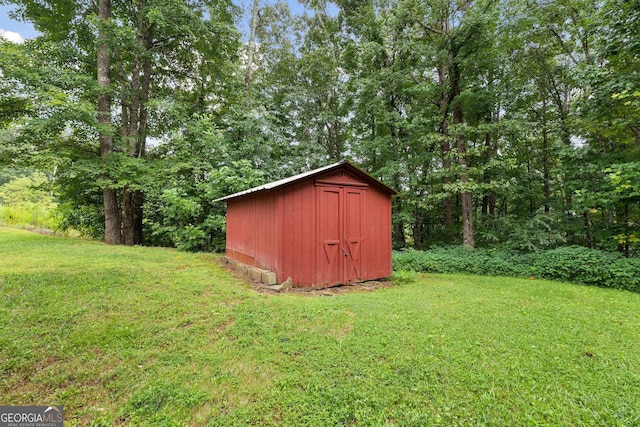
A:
x: 536, y: 233
x: 174, y: 339
x: 29, y: 215
x: 182, y: 211
x: 587, y: 266
x: 78, y: 190
x: 625, y: 178
x: 27, y: 189
x: 459, y: 259
x: 82, y: 215
x: 24, y: 202
x: 402, y: 277
x: 167, y: 60
x: 194, y: 167
x: 573, y: 264
x: 545, y: 134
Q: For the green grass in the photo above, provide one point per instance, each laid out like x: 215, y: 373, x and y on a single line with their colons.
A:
x: 147, y: 336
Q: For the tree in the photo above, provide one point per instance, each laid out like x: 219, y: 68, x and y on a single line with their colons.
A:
x: 504, y: 123
x: 112, y: 227
x: 138, y: 54
x: 445, y: 46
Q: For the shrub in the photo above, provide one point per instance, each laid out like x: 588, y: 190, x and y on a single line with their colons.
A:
x: 25, y: 203
x: 29, y: 215
x: 460, y: 259
x: 571, y: 264
x: 589, y: 267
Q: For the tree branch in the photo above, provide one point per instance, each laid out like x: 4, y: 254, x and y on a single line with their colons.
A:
x: 429, y: 28
x: 562, y: 44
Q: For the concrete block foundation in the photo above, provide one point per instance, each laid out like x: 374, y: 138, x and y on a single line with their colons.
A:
x: 255, y: 273
x: 258, y: 274
x: 268, y: 277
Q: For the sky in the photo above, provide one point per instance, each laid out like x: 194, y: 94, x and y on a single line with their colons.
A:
x: 14, y: 30
x: 17, y: 31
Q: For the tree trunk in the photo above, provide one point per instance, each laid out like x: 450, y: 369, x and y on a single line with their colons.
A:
x: 587, y: 229
x: 418, y: 229
x: 627, y: 230
x: 399, y: 240
x: 251, y: 45
x: 445, y: 147
x: 141, y: 147
x: 398, y: 234
x: 491, y: 145
x: 489, y: 200
x: 489, y: 207
x: 494, y: 153
x: 447, y: 203
x: 468, y: 238
x: 131, y: 138
x: 545, y: 158
x: 127, y: 217
x: 138, y: 202
x: 136, y: 132
x: 112, y: 233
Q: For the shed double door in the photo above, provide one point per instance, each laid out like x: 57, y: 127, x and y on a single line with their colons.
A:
x: 340, y: 237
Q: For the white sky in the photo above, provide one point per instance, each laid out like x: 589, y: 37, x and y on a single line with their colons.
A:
x: 12, y: 36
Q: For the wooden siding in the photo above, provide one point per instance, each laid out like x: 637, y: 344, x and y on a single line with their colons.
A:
x: 251, y: 236
x: 297, y: 215
x: 378, y: 235
x: 321, y: 230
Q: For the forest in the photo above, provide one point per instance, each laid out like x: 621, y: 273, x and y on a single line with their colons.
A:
x: 506, y: 124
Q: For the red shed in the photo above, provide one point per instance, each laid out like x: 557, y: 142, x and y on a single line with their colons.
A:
x: 322, y: 228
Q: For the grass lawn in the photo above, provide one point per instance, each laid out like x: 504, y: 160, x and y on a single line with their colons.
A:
x: 148, y: 336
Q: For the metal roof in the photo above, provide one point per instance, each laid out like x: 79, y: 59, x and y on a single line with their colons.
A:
x: 303, y: 175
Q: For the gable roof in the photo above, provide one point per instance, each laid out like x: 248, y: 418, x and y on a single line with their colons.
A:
x: 285, y: 181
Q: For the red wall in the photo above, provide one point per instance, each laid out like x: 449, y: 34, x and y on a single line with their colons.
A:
x: 251, y: 235
x: 297, y: 226
x: 277, y: 230
x: 378, y: 234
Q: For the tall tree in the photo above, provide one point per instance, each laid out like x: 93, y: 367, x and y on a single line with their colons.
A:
x: 454, y: 39
x: 112, y: 229
x: 139, y: 53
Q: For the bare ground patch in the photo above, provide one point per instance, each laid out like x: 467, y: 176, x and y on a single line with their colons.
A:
x: 369, y: 286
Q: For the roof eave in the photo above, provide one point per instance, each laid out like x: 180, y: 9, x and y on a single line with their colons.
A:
x: 279, y: 183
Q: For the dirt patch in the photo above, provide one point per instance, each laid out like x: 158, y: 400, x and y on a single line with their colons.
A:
x: 369, y: 286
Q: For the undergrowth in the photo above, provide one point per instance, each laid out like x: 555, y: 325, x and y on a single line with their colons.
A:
x: 573, y: 264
